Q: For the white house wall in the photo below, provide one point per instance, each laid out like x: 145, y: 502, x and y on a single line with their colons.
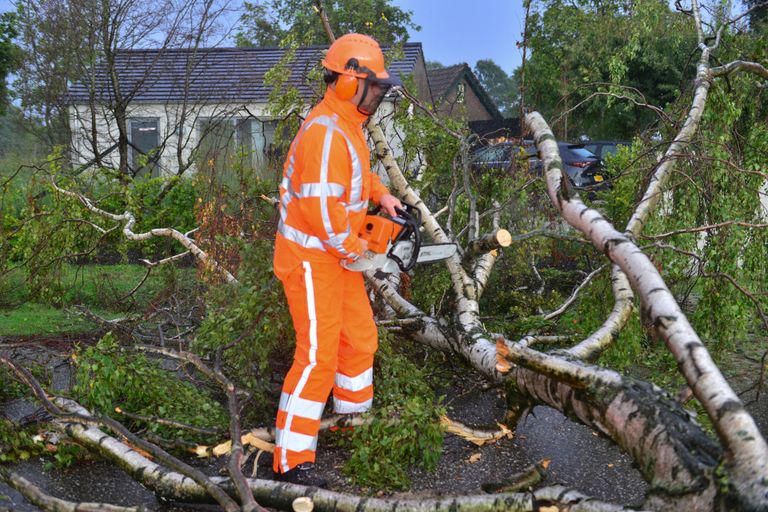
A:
x: 169, y: 120
x: 169, y: 116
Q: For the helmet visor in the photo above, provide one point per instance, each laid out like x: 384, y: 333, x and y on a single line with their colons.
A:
x: 374, y: 92
x: 373, y: 95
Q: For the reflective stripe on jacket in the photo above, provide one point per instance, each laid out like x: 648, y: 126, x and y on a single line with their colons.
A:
x: 326, y: 186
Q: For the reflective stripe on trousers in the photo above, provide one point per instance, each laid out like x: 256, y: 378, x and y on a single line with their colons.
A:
x: 336, y: 338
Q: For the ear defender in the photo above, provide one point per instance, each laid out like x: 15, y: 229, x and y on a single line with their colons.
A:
x: 346, y: 86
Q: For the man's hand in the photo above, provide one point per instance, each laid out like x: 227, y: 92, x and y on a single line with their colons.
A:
x: 389, y: 202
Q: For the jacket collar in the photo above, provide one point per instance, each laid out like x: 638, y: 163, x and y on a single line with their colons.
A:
x: 343, y: 108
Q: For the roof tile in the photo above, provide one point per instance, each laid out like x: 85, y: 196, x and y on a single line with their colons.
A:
x: 213, y: 75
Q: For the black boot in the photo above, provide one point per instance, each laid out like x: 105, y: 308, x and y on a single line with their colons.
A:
x: 303, y: 474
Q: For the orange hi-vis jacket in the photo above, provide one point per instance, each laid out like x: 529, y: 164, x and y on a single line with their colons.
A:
x: 326, y: 186
x: 324, y: 197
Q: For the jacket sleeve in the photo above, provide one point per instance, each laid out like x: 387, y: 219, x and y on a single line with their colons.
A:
x: 326, y: 174
x: 377, y: 188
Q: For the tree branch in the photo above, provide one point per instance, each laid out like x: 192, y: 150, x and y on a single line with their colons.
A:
x: 129, y: 220
x: 708, y: 227
x: 81, y: 416
x: 36, y: 496
x: 740, y: 65
x: 236, y: 455
x: 494, y: 241
x: 565, y: 305
x: 746, y: 448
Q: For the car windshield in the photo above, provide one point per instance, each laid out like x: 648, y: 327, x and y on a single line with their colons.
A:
x: 491, y: 154
x: 580, y: 152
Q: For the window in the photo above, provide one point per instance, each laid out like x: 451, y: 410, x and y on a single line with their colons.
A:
x: 144, y: 144
x: 460, y: 92
x: 229, y: 143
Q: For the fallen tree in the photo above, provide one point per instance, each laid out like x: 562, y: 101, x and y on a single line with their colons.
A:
x: 688, y: 470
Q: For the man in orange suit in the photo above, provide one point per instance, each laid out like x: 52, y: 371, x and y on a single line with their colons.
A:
x: 324, y: 195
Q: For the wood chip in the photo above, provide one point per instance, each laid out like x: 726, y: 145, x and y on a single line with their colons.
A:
x: 222, y: 449
x: 257, y: 442
x: 251, y: 439
x: 475, y: 435
x: 201, y: 451
x: 474, y: 458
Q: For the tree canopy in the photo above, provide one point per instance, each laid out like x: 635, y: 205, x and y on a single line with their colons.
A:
x: 8, y: 54
x: 612, y: 49
x: 268, y: 22
x: 500, y: 87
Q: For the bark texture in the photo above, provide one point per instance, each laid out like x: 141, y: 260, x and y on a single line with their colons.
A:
x: 746, y: 449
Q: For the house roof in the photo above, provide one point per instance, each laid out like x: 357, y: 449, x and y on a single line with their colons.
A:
x: 232, y: 75
x: 443, y: 80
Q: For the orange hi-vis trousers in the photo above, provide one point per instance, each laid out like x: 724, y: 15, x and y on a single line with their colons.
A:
x: 336, y: 338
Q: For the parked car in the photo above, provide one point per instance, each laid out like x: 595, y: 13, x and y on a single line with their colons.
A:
x: 585, y: 170
x: 583, y: 167
x: 504, y: 155
x: 603, y: 148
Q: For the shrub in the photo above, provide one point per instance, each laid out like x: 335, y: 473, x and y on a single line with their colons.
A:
x: 110, y: 376
x: 405, y: 424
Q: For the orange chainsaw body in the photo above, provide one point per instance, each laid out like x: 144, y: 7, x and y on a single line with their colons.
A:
x: 379, y: 232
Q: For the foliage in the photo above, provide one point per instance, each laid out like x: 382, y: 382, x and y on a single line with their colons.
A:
x: 510, y: 303
x: 405, y: 428
x: 717, y: 181
x: 43, y: 229
x: 254, y: 317
x: 733, y: 133
x: 17, y: 444
x: 251, y: 318
x: 19, y: 146
x: 502, y: 88
x: 110, y: 376
x: 8, y: 54
x: 285, y: 101
x: 607, y: 47
x: 11, y: 388
x: 758, y: 18
x: 269, y: 22
x: 51, y: 41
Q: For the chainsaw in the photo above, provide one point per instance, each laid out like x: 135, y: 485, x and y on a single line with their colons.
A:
x: 394, y: 243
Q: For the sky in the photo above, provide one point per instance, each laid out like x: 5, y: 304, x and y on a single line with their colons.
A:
x: 455, y: 31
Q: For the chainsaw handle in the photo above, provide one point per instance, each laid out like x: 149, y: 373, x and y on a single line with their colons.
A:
x: 410, y: 218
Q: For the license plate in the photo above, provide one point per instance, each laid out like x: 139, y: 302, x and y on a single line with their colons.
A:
x: 598, y: 177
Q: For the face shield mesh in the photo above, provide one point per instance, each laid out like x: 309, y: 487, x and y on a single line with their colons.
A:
x: 373, y: 94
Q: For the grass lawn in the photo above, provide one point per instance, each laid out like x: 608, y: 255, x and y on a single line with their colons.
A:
x: 100, y: 288
x: 34, y: 319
